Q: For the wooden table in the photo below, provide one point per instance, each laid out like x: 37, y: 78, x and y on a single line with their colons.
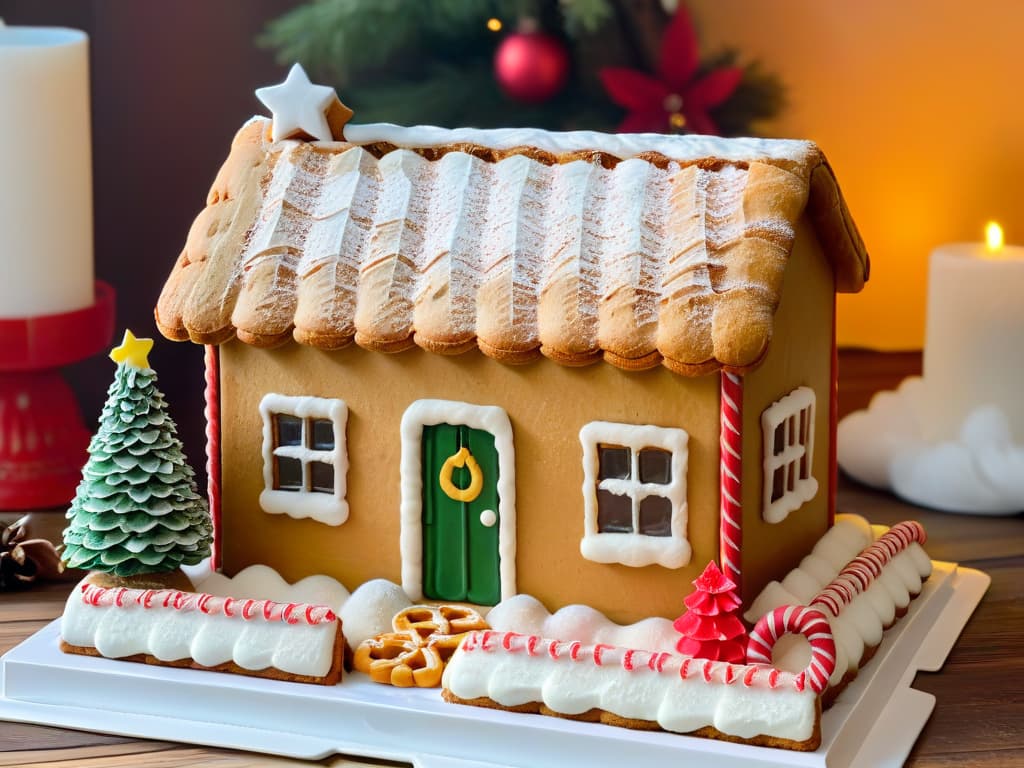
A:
x: 978, y: 720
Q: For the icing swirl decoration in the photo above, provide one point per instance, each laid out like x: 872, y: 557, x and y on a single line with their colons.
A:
x: 459, y: 459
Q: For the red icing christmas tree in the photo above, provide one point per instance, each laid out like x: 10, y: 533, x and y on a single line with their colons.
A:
x: 711, y: 628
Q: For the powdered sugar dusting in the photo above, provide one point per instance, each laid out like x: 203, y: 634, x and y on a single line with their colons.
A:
x: 519, y: 251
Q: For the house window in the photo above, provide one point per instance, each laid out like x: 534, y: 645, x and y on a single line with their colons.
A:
x: 788, y: 427
x: 634, y: 494
x: 305, y: 460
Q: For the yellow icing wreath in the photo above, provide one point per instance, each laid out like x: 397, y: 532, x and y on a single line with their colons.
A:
x: 462, y: 458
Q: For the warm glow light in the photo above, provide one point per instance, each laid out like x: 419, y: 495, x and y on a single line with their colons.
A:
x: 494, y: 25
x: 993, y: 237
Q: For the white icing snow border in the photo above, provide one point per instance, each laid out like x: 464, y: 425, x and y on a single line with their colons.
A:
x: 680, y: 693
x: 254, y: 642
x: 487, y: 418
x: 621, y: 145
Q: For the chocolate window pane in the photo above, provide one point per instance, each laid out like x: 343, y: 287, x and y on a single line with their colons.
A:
x: 655, y: 516
x: 780, y: 438
x: 615, y: 462
x: 614, y: 512
x: 655, y: 466
x: 289, y: 429
x: 321, y: 477
x: 288, y: 473
x: 778, y: 483
x: 322, y: 435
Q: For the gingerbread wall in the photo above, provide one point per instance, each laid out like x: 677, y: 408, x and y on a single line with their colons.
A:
x: 800, y: 355
x: 547, y: 405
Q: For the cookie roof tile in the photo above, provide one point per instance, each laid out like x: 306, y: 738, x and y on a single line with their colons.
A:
x: 639, y: 249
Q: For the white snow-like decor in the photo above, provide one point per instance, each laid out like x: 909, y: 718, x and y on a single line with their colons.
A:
x: 859, y: 625
x: 261, y: 582
x: 981, y: 472
x: 636, y: 546
x: 370, y: 609
x: 526, y: 614
x: 680, y: 693
x: 299, y: 106
x: 788, y: 427
x: 256, y: 620
x: 322, y: 499
x: 621, y: 145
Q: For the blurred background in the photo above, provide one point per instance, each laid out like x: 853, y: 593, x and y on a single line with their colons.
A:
x: 915, y: 104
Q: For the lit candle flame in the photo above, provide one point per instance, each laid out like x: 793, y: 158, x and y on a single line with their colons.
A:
x: 494, y: 25
x: 993, y: 237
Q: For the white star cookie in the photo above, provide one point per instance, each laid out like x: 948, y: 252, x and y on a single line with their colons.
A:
x: 299, y: 107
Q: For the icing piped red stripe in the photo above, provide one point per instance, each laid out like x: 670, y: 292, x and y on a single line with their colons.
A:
x: 636, y: 661
x: 203, y: 602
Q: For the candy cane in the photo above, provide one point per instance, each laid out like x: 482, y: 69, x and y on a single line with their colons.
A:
x: 212, y: 413
x: 860, y: 572
x: 809, y: 622
x: 730, y: 471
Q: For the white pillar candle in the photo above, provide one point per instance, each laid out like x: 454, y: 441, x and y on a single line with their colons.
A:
x: 974, y: 346
x: 46, y: 246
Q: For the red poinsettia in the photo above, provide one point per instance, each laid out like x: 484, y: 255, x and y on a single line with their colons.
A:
x: 676, y: 100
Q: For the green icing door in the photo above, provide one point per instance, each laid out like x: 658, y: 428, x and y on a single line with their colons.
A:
x: 460, y: 515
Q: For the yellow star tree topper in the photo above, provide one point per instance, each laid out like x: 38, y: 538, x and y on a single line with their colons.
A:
x: 133, y: 351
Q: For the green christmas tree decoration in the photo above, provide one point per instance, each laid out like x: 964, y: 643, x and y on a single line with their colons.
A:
x: 137, y: 509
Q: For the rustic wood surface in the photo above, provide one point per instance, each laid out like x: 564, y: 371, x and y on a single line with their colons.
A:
x: 978, y: 719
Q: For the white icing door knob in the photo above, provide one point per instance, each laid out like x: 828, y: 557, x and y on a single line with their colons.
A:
x: 488, y: 518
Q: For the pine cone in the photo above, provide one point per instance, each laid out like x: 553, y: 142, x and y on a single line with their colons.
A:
x: 23, y: 560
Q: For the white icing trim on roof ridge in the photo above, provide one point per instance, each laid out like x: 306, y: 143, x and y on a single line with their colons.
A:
x: 676, y: 147
x: 681, y: 148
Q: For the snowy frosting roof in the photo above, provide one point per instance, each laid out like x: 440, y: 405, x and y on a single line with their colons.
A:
x: 638, y: 249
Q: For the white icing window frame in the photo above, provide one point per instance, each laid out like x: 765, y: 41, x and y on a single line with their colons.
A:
x: 487, y: 418
x: 635, y: 549
x: 786, y: 411
x: 326, y: 508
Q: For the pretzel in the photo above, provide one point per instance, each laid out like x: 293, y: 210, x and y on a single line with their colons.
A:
x: 424, y: 637
x: 400, y: 660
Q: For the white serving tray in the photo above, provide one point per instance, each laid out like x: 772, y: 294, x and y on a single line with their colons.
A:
x: 874, y: 723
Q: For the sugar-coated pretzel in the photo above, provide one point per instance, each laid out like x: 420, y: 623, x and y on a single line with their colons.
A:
x: 421, y: 620
x: 462, y: 619
x: 399, y: 659
x: 424, y: 637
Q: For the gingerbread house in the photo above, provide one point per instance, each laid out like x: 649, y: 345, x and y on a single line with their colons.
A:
x: 583, y: 365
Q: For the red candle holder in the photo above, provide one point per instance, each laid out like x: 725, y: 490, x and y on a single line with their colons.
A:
x: 43, y: 439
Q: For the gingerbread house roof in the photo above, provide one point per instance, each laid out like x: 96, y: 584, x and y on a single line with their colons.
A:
x: 638, y: 249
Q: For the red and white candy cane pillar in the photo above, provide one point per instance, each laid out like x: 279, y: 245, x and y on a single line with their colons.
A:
x: 809, y: 622
x: 212, y: 413
x: 730, y: 471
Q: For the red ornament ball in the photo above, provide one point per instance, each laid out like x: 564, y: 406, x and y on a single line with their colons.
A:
x: 531, y: 66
